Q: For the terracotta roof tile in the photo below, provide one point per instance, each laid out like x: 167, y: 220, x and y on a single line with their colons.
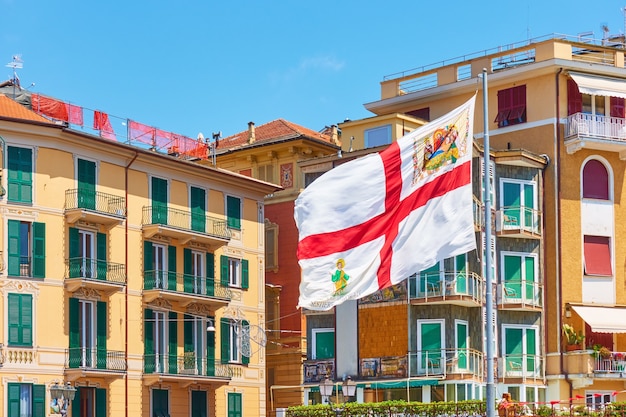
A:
x: 14, y: 110
x: 269, y: 132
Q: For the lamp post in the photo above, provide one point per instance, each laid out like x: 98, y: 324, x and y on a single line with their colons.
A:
x: 348, y: 389
x: 326, y: 388
x: 62, y: 391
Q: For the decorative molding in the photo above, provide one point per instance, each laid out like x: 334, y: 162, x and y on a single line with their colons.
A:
x: 14, y: 285
x: 233, y: 252
x: 199, y: 310
x: 161, y: 303
x: 87, y: 293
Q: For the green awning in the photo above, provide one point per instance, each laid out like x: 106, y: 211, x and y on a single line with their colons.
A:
x: 402, y: 384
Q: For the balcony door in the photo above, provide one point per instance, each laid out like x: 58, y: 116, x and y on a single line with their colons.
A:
x: 519, y: 277
x: 430, y: 346
x: 520, y: 350
x: 159, y: 200
x: 518, y: 205
x: 86, y: 175
x: 159, y: 256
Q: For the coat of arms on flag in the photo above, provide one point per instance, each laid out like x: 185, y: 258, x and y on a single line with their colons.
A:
x: 372, y: 222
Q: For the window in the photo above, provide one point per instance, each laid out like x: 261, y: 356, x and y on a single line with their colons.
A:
x: 377, y: 136
x: 199, y: 273
x: 26, y: 400
x: 160, y: 403
x: 266, y: 172
x: 160, y: 342
x: 430, y: 280
x: 233, y: 212
x: 323, y: 343
x: 271, y: 245
x: 197, y: 204
x: 423, y: 113
x: 597, y: 256
x: 597, y: 400
x: 595, y: 180
x: 88, y: 334
x: 20, y: 319
x: 234, y: 405
x: 233, y: 340
x: 159, y: 200
x: 511, y: 106
x: 195, y: 344
x: 309, y: 177
x: 518, y: 202
x: 159, y: 266
x: 518, y: 276
x: 520, y: 350
x: 461, y: 340
x: 234, y: 272
x: 199, y: 403
x: 86, y: 176
x: 90, y: 402
x: 430, y: 346
x: 20, y: 175
x: 26, y: 249
x: 88, y: 251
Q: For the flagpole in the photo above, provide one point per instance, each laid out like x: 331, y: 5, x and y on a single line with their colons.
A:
x: 489, y: 310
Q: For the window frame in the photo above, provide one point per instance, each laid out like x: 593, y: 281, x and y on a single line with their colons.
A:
x: 512, y: 106
x: 271, y: 246
x: 262, y: 171
x: 587, y: 189
x: 314, y: 339
x: 35, y: 247
x: 20, y: 323
x: 233, y: 212
x: 16, y: 183
x: 384, y: 130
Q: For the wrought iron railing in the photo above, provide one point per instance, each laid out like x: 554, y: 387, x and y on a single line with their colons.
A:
x: 186, y: 220
x: 187, y: 364
x: 95, y: 358
x: 94, y: 269
x: 95, y: 201
x: 185, y: 283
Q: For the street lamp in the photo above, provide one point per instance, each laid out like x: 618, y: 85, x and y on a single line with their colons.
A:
x: 326, y: 387
x: 348, y: 388
x: 59, y: 391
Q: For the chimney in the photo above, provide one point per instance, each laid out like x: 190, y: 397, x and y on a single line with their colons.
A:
x: 334, y: 135
x: 251, y: 133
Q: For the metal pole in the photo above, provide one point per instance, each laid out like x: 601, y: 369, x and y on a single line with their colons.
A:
x: 489, y: 310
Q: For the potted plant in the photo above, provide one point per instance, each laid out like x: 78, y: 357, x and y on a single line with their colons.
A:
x: 573, y: 339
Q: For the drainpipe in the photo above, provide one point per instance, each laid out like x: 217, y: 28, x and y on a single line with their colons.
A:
x: 126, y: 286
x: 558, y: 224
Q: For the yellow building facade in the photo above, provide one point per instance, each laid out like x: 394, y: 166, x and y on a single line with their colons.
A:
x: 133, y: 279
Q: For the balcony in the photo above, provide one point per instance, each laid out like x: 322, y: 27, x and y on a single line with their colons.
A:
x: 95, y: 207
x: 184, y: 289
x: 317, y: 370
x: 187, y: 369
x: 521, y: 368
x: 93, y: 362
x: 447, y: 363
x: 463, y: 289
x: 597, y: 132
x: 91, y: 273
x: 184, y: 226
x: 479, y: 214
x: 520, y: 295
x: 518, y: 222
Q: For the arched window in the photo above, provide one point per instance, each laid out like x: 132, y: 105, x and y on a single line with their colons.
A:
x: 595, y: 180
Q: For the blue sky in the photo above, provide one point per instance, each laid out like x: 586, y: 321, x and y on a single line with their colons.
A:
x: 205, y: 66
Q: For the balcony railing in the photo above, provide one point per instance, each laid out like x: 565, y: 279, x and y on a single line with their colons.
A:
x: 186, y: 221
x: 615, y: 364
x: 94, y: 358
x: 447, y: 286
x: 517, y: 221
x: 94, y: 269
x: 521, y: 366
x: 595, y: 126
x: 443, y: 362
x: 20, y: 267
x: 523, y: 293
x: 479, y: 214
x: 188, y: 364
x: 185, y: 283
x: 96, y: 201
x: 317, y: 370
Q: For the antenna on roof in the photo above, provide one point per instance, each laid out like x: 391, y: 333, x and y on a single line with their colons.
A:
x: 15, y: 64
x: 216, y: 138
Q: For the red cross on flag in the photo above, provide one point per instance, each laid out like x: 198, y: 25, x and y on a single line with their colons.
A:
x: 372, y: 222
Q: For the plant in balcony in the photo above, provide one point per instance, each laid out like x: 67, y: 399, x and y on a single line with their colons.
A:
x: 573, y: 339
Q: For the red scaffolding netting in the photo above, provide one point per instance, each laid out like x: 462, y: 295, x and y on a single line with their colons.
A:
x: 173, y: 143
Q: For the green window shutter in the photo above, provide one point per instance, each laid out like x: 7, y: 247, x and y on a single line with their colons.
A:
x: 159, y: 201
x: 210, y: 351
x: 39, y: 250
x: 13, y: 233
x: 76, y: 403
x: 20, y: 319
x: 101, y: 335
x: 13, y: 399
x: 173, y: 342
x: 86, y: 184
x: 244, y: 274
x: 198, y: 209
x: 187, y: 278
x: 245, y: 359
x: 234, y: 405
x: 529, y: 276
x: 224, y: 270
x: 74, y: 336
x: 39, y: 400
x: 101, y: 255
x: 171, y: 267
x: 198, y: 404
x: 101, y: 402
x: 74, y: 261
x: 210, y: 274
x: 148, y: 345
x: 20, y: 174
x: 233, y: 212
x: 149, y: 275
x: 324, y: 345
x: 188, y: 333
x: 224, y: 340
